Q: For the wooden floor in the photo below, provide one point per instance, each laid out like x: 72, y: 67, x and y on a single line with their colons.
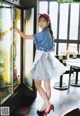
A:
x: 60, y: 99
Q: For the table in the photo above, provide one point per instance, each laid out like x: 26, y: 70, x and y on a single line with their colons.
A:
x: 74, y: 64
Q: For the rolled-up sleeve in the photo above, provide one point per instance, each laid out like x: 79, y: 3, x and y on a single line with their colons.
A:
x: 35, y: 38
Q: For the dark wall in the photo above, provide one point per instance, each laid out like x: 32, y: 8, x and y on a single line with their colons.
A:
x: 22, y: 3
x: 28, y: 3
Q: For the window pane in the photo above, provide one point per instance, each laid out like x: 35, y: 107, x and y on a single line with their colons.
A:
x: 73, y: 48
x: 74, y: 21
x: 28, y: 46
x: 62, y: 48
x: 6, y: 53
x: 63, y: 21
x: 53, y: 16
x: 43, y: 7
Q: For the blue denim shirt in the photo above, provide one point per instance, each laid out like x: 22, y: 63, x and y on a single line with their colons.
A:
x: 44, y: 41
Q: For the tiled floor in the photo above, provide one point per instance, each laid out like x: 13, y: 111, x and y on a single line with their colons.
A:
x: 60, y: 99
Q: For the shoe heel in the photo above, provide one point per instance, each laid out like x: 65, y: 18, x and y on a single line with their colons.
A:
x: 52, y: 107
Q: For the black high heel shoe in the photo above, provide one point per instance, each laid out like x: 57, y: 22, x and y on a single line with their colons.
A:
x: 40, y: 113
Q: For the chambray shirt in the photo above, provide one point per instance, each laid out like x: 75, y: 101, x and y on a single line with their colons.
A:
x: 43, y: 40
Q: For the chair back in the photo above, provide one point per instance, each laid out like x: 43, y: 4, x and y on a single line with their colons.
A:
x: 74, y: 56
x: 62, y: 59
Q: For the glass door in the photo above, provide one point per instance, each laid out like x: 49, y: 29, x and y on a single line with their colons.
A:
x: 6, y: 52
x: 10, y: 46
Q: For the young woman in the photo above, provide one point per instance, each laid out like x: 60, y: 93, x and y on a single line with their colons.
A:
x: 45, y: 66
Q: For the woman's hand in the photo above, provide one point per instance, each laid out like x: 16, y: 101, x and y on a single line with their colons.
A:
x: 23, y: 35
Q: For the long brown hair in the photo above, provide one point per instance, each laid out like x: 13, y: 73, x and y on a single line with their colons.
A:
x: 47, y: 18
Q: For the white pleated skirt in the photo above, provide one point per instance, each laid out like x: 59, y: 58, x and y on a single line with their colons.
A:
x: 46, y: 66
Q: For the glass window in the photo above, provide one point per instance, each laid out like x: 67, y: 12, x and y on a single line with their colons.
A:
x: 53, y: 16
x: 74, y: 22
x: 73, y: 48
x: 62, y: 48
x: 43, y: 7
x: 63, y: 21
x: 6, y: 53
x: 28, y: 47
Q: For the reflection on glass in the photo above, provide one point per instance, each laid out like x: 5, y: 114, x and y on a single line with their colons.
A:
x: 63, y: 21
x: 53, y: 16
x: 16, y: 50
x: 28, y: 46
x: 6, y: 53
x: 62, y: 48
x: 74, y: 22
x: 43, y: 7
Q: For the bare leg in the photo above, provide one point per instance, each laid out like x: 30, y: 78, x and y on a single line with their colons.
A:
x: 48, y: 92
x: 42, y: 92
x: 47, y: 88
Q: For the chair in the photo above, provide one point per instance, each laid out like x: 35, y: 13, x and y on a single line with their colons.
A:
x: 60, y: 85
x: 76, y: 70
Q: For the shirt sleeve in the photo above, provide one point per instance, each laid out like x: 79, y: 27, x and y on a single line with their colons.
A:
x: 37, y: 37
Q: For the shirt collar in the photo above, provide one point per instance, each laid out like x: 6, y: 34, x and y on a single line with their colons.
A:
x: 45, y: 29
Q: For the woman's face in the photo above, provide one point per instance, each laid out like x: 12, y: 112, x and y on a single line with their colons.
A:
x: 43, y: 23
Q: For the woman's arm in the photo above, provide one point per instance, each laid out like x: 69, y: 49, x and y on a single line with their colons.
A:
x: 22, y: 34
